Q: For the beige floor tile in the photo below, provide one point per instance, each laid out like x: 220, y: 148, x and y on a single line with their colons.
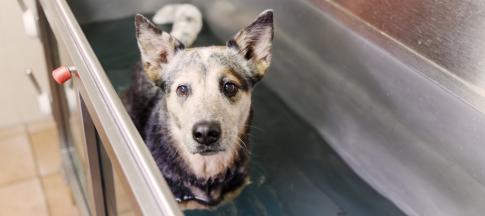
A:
x: 127, y: 213
x: 16, y: 161
x: 45, y: 143
x: 59, y: 197
x: 14, y: 130
x: 40, y: 124
x: 23, y: 198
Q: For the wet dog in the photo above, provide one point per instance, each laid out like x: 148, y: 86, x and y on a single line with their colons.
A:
x: 192, y: 106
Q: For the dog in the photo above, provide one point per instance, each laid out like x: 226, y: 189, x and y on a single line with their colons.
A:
x: 192, y: 107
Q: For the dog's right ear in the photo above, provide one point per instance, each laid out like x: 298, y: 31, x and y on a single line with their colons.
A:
x: 156, y: 46
x: 254, y: 43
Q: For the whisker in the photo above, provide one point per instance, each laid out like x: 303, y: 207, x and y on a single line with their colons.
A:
x: 243, y: 145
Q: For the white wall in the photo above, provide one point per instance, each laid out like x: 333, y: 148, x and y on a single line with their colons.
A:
x: 18, y: 52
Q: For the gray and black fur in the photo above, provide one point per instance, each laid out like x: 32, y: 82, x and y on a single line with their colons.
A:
x: 148, y: 111
x: 154, y: 93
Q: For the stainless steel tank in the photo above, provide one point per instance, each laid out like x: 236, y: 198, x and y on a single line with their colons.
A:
x: 396, y: 88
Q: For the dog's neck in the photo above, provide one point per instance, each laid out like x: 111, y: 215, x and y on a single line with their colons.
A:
x: 210, y: 191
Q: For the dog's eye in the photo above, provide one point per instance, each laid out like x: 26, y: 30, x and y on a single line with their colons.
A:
x: 182, y: 90
x: 230, y: 89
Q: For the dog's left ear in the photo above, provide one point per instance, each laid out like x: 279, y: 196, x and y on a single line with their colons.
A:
x: 156, y: 47
x: 254, y: 42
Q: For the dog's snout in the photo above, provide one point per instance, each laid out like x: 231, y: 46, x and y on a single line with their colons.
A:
x: 206, y: 133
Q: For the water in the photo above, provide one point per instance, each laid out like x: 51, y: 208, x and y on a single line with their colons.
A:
x: 293, y: 170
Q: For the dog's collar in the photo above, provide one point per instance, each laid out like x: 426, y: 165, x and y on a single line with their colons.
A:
x: 212, y: 192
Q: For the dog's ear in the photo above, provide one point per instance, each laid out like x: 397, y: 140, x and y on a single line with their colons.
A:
x: 156, y: 46
x: 254, y: 42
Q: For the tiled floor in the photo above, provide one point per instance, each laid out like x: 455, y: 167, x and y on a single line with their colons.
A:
x: 31, y: 182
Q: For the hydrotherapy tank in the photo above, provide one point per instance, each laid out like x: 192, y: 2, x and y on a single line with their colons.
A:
x: 370, y: 108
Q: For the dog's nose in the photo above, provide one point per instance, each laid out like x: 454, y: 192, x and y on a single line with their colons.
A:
x: 206, y: 133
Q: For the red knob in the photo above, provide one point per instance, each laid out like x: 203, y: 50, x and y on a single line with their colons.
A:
x: 61, y: 74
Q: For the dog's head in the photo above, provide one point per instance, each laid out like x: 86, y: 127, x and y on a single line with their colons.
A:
x: 207, y: 89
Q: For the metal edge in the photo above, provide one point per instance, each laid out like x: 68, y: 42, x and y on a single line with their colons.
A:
x: 95, y: 175
x: 122, y: 141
